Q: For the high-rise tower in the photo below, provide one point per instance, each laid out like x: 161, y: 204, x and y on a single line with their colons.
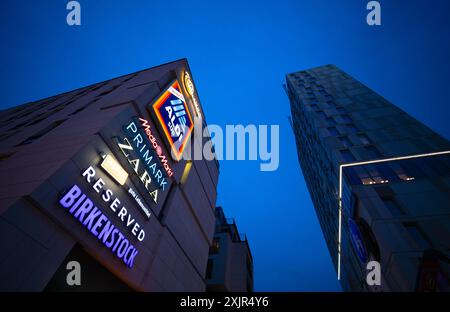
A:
x: 379, y: 181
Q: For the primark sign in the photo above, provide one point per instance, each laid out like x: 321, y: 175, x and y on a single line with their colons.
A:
x: 145, y: 157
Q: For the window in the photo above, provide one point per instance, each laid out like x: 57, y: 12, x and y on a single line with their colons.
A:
x: 27, y: 121
x: 333, y: 131
x: 393, y: 206
x: 375, y: 174
x: 330, y: 121
x: 373, y: 152
x: 364, y: 139
x: 5, y: 136
x: 13, y: 117
x: 97, y: 87
x: 78, y: 110
x: 209, y: 268
x: 83, y: 107
x: 19, y: 125
x: 400, y: 172
x: 341, y: 110
x: 369, y: 175
x: 346, y: 118
x: 345, y: 141
x: 439, y: 164
x: 347, y: 155
x: 36, y: 121
x: 313, y: 106
x: 417, y: 235
x: 130, y: 77
x: 109, y: 90
x: 41, y: 133
x: 215, y: 247
x: 6, y: 155
x: 352, y: 128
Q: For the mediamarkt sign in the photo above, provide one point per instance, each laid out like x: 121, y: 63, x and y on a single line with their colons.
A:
x: 148, y: 131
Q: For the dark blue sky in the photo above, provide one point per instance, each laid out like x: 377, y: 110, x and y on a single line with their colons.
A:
x: 239, y: 52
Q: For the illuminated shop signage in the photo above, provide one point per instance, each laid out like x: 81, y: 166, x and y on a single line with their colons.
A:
x: 174, y: 117
x: 148, y: 131
x: 115, y: 170
x: 145, y: 157
x: 357, y: 241
x: 189, y: 87
x: 82, y: 208
x: 107, y: 195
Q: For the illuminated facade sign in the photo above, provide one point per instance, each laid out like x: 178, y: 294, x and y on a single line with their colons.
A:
x: 159, y: 152
x: 114, y: 169
x: 174, y: 118
x: 146, y: 158
x: 107, y: 195
x: 357, y: 241
x: 188, y: 84
x: 190, y: 90
x: 82, y: 208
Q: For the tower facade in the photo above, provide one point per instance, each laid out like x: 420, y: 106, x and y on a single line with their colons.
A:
x: 379, y: 181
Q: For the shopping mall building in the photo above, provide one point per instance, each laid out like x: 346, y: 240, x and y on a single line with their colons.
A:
x: 96, y: 176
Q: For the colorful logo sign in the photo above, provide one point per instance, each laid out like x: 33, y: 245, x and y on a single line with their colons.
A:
x: 188, y: 84
x: 173, y: 115
x: 357, y: 240
x: 82, y: 208
x: 189, y: 87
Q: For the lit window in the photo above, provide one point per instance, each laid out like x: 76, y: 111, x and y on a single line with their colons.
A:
x: 400, y: 172
x: 109, y: 90
x: 376, y: 175
x: 369, y: 175
x: 215, y: 247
